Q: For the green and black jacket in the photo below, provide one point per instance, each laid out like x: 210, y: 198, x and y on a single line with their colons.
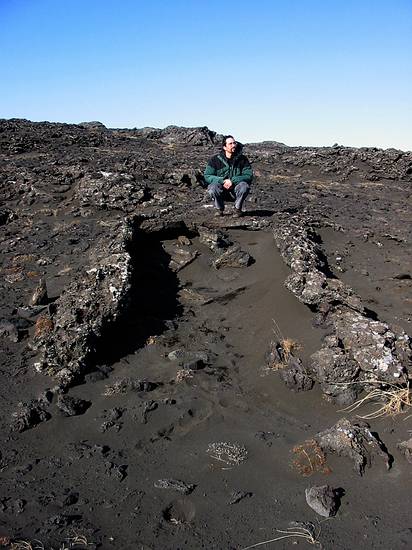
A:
x: 220, y: 168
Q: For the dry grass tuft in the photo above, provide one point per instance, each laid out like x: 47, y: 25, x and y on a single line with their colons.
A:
x: 305, y: 531
x: 74, y: 542
x: 396, y: 400
x: 26, y: 545
x: 309, y: 458
x: 287, y: 345
x: 44, y: 325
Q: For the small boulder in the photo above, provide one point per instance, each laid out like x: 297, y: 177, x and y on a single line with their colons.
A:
x: 355, y: 441
x: 237, y: 496
x: 405, y: 448
x: 234, y: 256
x: 175, y: 485
x: 28, y: 416
x: 295, y: 376
x: 324, y: 500
x: 72, y: 406
x: 194, y: 364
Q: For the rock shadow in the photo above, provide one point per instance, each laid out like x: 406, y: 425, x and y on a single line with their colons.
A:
x: 260, y: 213
x: 153, y: 302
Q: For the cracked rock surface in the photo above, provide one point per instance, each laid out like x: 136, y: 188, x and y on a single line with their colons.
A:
x: 360, y: 349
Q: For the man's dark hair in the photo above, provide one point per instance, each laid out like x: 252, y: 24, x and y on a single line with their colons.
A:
x: 225, y: 138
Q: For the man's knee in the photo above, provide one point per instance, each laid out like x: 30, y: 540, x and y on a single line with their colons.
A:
x: 215, y: 189
x: 242, y: 188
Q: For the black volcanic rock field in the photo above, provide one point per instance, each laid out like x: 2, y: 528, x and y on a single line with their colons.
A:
x: 173, y: 380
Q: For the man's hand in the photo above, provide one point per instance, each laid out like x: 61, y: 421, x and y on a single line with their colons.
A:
x: 227, y: 184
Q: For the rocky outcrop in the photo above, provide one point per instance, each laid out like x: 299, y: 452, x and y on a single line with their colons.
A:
x: 405, y: 447
x: 355, y: 441
x: 112, y: 191
x: 359, y: 350
x: 341, y: 162
x: 175, y: 134
x: 87, y: 306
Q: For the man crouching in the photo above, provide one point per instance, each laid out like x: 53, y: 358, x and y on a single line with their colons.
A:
x: 229, y: 175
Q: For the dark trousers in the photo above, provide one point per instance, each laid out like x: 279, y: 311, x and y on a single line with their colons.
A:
x: 237, y: 193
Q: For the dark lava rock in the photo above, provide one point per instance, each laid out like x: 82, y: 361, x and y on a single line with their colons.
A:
x: 28, y: 416
x: 72, y: 406
x: 405, y: 448
x: 180, y: 511
x: 70, y: 499
x: 295, y: 376
x: 336, y: 371
x: 114, y: 191
x: 214, y: 239
x: 266, y: 437
x: 237, y: 496
x: 124, y: 385
x: 181, y: 257
x: 175, y: 134
x: 64, y: 520
x: 86, y: 307
x: 9, y: 330
x: 361, y: 349
x: 234, y: 256
x: 355, y: 441
x: 175, y: 485
x: 117, y: 471
x: 111, y: 417
x: 323, y: 500
x: 194, y: 364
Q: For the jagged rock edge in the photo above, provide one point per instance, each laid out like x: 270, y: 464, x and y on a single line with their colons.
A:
x: 360, y: 351
x: 87, y: 306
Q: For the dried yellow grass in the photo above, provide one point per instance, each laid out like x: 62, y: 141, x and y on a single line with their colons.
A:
x: 396, y: 401
x: 287, y: 346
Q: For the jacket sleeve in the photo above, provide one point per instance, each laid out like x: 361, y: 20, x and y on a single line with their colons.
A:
x: 210, y: 175
x: 245, y: 175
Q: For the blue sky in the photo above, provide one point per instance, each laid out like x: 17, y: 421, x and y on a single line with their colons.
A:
x: 304, y: 72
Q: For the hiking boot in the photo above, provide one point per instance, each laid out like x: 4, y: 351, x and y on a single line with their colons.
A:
x: 237, y: 213
x: 218, y: 213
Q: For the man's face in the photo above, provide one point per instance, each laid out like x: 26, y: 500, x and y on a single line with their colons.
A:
x: 230, y: 146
